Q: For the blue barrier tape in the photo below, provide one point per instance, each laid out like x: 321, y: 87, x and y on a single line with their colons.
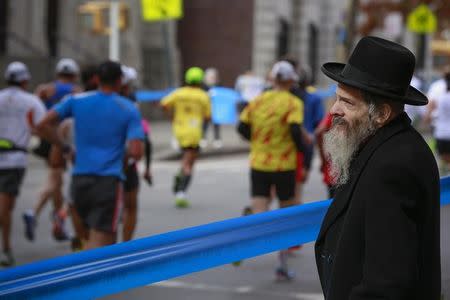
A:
x: 152, y: 95
x: 120, y: 267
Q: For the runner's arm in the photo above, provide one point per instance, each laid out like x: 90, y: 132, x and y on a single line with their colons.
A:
x: 47, y: 128
x: 297, y: 136
x: 135, y: 135
x: 135, y: 149
x: 148, y: 149
x: 45, y: 91
x: 148, y: 153
x: 244, y: 130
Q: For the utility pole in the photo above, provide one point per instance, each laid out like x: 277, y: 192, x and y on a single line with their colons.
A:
x: 114, y: 37
x: 351, y: 26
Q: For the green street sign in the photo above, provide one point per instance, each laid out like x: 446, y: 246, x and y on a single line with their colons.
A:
x: 422, y: 20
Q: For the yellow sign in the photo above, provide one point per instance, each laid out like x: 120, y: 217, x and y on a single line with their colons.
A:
x: 157, y: 10
x: 422, y: 20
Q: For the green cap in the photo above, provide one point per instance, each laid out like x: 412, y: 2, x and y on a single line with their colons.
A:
x: 194, y: 75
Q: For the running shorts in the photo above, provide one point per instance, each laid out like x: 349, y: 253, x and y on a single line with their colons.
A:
x: 191, y: 148
x: 283, y: 181
x: 98, y: 200
x: 11, y: 180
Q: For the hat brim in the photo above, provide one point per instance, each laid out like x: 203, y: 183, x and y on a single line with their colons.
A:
x: 413, y: 96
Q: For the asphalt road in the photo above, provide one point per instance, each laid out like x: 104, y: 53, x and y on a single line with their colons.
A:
x: 219, y: 191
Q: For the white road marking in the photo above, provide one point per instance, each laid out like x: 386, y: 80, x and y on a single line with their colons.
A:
x: 235, y: 290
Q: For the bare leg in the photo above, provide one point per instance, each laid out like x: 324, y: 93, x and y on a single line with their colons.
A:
x: 283, y: 271
x: 260, y: 204
x: 129, y: 215
x: 298, y: 192
x: 44, y: 195
x: 57, y: 183
x: 99, y: 239
x: 6, y: 207
x: 189, y: 158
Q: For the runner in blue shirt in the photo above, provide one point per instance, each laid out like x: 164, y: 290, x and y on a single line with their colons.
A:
x: 107, y: 129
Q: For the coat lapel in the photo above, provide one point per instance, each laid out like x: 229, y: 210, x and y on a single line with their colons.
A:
x: 344, y: 193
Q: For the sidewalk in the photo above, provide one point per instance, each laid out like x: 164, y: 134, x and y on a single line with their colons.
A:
x: 161, y: 136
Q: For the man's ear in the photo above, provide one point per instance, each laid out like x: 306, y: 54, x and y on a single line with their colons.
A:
x: 384, y: 115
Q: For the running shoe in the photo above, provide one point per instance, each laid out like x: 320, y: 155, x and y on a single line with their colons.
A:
x: 203, y: 143
x: 29, y: 221
x: 59, y: 230
x: 181, y: 201
x: 6, y: 259
x: 284, y: 275
x: 217, y: 144
x: 237, y: 263
x: 76, y: 244
x: 247, y: 211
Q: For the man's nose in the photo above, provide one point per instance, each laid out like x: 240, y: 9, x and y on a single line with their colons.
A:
x: 336, y: 109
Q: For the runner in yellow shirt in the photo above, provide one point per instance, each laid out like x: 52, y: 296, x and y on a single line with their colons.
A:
x: 190, y: 107
x: 272, y: 124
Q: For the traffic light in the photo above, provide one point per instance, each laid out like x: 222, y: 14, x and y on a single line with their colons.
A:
x: 94, y: 16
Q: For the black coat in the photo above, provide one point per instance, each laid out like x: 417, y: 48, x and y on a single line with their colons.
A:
x: 380, y: 237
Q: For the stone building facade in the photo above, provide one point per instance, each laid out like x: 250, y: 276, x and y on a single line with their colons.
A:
x: 233, y: 36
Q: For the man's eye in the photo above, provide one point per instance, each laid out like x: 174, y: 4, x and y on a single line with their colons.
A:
x: 347, y: 102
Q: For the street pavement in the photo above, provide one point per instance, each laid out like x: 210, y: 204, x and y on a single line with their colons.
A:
x: 219, y: 190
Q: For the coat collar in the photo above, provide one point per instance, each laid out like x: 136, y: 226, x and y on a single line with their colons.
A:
x: 344, y: 193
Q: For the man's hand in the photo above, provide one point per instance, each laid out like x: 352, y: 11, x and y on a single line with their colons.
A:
x: 148, y: 177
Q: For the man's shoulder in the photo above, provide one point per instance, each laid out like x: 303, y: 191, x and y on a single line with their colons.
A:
x: 407, y: 147
x: 125, y: 104
x: 18, y: 92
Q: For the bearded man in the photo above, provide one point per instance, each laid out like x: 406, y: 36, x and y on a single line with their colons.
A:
x: 380, y: 236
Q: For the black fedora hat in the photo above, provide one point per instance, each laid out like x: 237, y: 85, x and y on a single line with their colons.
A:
x: 380, y: 67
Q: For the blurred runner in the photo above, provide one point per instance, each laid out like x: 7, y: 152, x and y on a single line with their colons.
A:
x: 440, y: 109
x: 51, y: 93
x: 131, y: 184
x: 313, y: 114
x: 249, y: 86
x: 323, y: 127
x: 415, y: 113
x: 437, y: 89
x: 106, y: 125
x: 190, y: 107
x: 17, y: 108
x: 272, y: 123
x: 89, y: 79
x: 210, y: 80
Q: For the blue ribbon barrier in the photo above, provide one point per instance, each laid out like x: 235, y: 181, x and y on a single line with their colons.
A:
x: 116, y: 268
x: 152, y: 95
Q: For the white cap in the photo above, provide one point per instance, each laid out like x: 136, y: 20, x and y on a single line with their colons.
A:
x: 67, y: 66
x: 17, y: 72
x: 129, y: 75
x: 283, y: 71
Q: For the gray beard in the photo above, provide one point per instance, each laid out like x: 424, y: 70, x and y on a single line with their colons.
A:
x: 341, y: 145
